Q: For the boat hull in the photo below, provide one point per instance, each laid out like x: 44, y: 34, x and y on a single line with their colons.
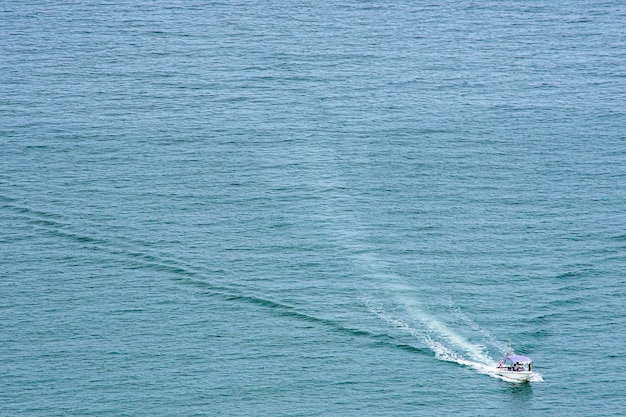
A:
x: 521, y: 376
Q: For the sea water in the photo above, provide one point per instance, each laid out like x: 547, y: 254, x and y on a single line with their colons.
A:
x: 311, y: 208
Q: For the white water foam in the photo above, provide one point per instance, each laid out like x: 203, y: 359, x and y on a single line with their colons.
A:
x: 442, y: 340
x: 487, y: 337
x: 446, y: 344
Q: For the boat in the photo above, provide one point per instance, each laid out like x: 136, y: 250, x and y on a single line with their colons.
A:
x: 516, y: 367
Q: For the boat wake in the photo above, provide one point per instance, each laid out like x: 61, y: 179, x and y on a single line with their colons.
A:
x: 446, y: 344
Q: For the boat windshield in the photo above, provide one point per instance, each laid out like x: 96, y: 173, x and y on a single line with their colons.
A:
x: 519, y: 365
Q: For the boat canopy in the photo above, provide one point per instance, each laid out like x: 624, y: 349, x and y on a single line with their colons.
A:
x: 519, y: 358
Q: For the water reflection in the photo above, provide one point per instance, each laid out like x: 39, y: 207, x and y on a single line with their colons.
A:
x: 521, y: 392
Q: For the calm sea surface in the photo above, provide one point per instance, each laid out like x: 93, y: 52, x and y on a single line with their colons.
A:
x: 293, y: 208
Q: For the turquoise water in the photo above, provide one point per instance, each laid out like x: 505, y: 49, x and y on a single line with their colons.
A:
x: 293, y: 208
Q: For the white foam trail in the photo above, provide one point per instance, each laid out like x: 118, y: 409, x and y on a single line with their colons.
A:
x: 435, y: 326
x: 486, y: 335
x: 479, y: 360
x: 441, y: 351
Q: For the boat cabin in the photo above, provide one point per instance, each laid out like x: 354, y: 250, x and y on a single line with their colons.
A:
x: 516, y: 363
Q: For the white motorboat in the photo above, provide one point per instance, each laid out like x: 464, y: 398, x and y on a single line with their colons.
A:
x: 516, y: 367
